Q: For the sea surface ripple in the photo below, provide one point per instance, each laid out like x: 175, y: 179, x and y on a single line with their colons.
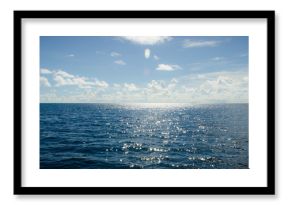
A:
x: 146, y: 136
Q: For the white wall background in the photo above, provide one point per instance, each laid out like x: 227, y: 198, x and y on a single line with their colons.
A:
x: 282, y: 98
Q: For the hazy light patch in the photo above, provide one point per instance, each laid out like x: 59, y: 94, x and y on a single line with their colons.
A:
x: 147, y: 53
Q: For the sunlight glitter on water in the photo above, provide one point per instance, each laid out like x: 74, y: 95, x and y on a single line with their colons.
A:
x: 144, y: 135
x: 155, y: 105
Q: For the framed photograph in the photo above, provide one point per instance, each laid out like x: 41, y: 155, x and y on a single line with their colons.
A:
x: 144, y: 102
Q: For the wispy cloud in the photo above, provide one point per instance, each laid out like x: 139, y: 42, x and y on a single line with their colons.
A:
x: 193, y: 43
x: 147, y: 53
x: 100, y: 52
x: 168, y: 67
x: 115, y: 54
x: 71, y: 55
x: 120, y: 62
x: 218, y: 58
x: 44, y: 81
x: 147, y: 40
x: 243, y: 55
x: 156, y: 57
x: 45, y: 71
x: 64, y: 74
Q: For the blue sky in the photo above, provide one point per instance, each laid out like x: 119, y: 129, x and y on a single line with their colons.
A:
x: 155, y: 69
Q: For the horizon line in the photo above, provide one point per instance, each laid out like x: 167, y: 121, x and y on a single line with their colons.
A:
x: 143, y: 103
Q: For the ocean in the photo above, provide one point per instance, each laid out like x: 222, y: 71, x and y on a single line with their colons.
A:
x: 143, y: 136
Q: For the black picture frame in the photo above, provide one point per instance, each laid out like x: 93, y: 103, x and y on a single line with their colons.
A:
x: 19, y: 189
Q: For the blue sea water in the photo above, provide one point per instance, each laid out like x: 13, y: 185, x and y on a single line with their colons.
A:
x: 147, y: 136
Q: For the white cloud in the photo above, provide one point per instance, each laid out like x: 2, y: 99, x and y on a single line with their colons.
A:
x: 45, y: 71
x: 120, y: 62
x: 44, y: 81
x: 217, y: 87
x: 196, y: 88
x: 63, y: 78
x: 162, y: 91
x: 115, y: 54
x: 200, y: 76
x: 71, y: 55
x: 147, y: 40
x: 116, y: 85
x: 174, y: 80
x: 168, y: 67
x: 101, y: 84
x: 78, y: 81
x: 156, y: 57
x: 130, y: 86
x: 147, y: 53
x: 192, y: 43
x: 82, y: 82
x: 155, y: 86
x: 64, y: 74
x: 173, y: 83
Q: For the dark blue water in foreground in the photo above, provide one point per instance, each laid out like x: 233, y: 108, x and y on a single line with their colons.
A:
x: 148, y: 136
